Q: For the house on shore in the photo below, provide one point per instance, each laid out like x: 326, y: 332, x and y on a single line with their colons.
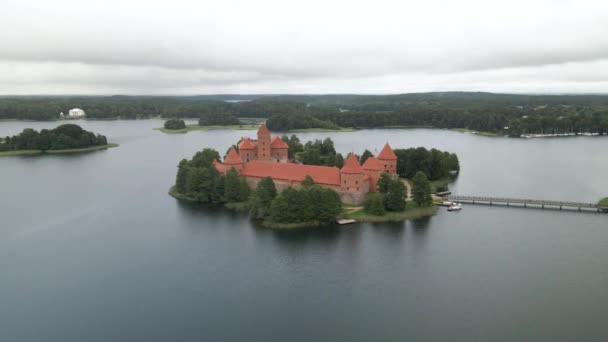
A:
x: 267, y: 157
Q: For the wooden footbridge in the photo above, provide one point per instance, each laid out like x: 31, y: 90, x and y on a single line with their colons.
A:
x: 526, y: 203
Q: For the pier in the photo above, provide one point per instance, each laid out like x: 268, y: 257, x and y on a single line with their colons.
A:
x: 527, y: 203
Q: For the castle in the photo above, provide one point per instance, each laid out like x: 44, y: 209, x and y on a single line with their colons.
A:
x: 268, y: 157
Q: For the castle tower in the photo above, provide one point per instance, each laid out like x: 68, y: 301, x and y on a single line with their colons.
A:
x: 352, y: 175
x: 247, y: 150
x: 233, y: 160
x: 264, y: 143
x: 373, y: 168
x: 388, y: 160
x: 278, y: 150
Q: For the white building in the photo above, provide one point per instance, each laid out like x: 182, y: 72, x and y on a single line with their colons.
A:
x: 76, y: 113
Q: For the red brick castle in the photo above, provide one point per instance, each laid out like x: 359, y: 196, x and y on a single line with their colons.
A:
x: 267, y: 157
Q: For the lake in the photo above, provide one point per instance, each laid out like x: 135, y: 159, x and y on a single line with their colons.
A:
x: 93, y: 249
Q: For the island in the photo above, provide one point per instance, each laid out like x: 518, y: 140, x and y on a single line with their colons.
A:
x: 286, y: 184
x: 176, y: 126
x: 603, y: 203
x: 67, y: 138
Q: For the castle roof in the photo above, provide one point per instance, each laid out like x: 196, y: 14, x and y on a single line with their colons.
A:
x: 278, y: 143
x: 351, y: 165
x: 221, y: 168
x: 387, y: 153
x: 232, y: 158
x: 293, y: 172
x: 246, y: 144
x: 372, y: 164
x: 263, y: 129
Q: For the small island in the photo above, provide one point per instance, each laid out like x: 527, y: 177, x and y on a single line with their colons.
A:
x: 208, y: 122
x: 286, y: 184
x: 67, y: 138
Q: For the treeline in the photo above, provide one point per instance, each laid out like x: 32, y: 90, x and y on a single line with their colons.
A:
x: 198, y: 180
x: 498, y: 113
x: 68, y: 136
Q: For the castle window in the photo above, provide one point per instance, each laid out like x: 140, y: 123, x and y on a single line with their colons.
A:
x: 344, y: 181
x: 357, y: 182
x: 347, y: 188
x: 357, y: 188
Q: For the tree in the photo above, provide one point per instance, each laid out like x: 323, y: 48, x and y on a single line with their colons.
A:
x: 205, y: 158
x: 232, y: 186
x: 308, y: 181
x: 339, y: 161
x: 394, y: 199
x: 374, y: 203
x: 384, y: 182
x: 366, y: 154
x: 175, y: 124
x: 182, y: 176
x: 262, y: 197
x: 421, y: 190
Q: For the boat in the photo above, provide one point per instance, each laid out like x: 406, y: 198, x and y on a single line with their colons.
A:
x: 454, y: 207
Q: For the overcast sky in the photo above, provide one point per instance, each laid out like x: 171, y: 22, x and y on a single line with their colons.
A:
x: 307, y: 46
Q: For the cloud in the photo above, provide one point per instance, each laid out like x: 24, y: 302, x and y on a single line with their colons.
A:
x: 304, y: 46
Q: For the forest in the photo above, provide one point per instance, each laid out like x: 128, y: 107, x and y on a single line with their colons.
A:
x: 497, y: 113
x: 68, y: 136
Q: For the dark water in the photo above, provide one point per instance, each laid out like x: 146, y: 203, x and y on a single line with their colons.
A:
x: 92, y: 249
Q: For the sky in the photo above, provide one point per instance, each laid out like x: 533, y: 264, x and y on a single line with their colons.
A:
x: 302, y: 47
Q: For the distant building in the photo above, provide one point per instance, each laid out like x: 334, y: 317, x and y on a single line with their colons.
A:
x: 76, y: 113
x: 267, y: 157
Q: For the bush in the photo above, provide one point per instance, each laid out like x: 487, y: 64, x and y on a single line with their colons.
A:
x: 374, y: 203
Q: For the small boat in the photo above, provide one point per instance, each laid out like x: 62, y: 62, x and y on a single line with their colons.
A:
x: 454, y: 207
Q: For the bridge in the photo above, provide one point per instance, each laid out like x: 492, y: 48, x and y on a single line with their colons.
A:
x: 526, y: 203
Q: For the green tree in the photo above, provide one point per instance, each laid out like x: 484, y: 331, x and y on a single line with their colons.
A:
x: 175, y: 124
x: 232, y: 186
x: 395, y: 197
x: 374, y: 203
x: 339, y: 161
x: 308, y: 181
x: 421, y: 189
x: 205, y: 158
x: 366, y: 154
x: 262, y: 197
x: 384, y: 182
x: 182, y: 176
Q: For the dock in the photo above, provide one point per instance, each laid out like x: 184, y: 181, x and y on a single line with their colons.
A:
x: 527, y: 203
x: 345, y: 221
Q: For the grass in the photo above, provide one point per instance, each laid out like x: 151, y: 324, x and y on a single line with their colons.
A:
x: 196, y: 127
x: 411, y: 212
x: 482, y: 133
x: 341, y: 129
x: 603, y: 202
x: 73, y: 150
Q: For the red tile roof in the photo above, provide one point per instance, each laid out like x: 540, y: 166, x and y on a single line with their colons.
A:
x: 278, y: 143
x: 351, y: 165
x: 293, y: 172
x: 263, y: 129
x: 221, y: 168
x: 372, y: 164
x: 246, y: 144
x: 387, y: 153
x: 232, y: 158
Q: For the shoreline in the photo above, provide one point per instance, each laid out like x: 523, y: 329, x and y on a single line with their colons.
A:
x: 67, y: 151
